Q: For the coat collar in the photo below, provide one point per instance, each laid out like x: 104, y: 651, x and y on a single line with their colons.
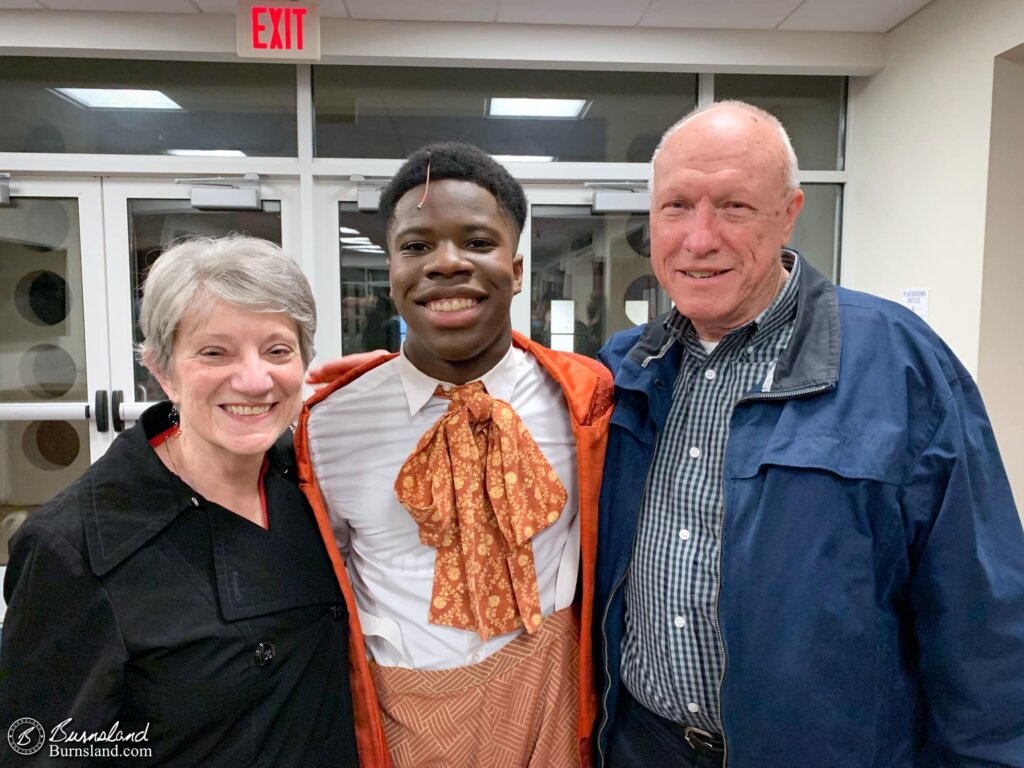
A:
x: 129, y: 496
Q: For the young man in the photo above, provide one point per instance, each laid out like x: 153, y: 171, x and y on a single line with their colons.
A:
x: 456, y: 488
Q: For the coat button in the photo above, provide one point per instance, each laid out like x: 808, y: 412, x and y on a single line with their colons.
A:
x: 264, y: 654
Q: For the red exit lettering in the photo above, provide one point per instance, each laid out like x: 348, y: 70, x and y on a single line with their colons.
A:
x: 283, y: 22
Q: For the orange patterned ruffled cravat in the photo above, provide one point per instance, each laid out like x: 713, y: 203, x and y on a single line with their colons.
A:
x: 479, y: 488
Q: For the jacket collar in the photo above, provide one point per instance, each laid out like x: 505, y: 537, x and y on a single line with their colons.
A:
x: 810, y: 361
x: 129, y: 496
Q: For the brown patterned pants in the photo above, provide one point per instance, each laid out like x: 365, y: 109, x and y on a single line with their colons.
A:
x: 516, y: 708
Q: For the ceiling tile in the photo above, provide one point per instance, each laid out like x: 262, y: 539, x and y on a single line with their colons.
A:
x: 843, y: 16
x: 618, y: 13
x: 333, y: 9
x: 715, y: 14
x: 217, y: 6
x: 424, y: 10
x: 139, y: 6
x: 19, y: 5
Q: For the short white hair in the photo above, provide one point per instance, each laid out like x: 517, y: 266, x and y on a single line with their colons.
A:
x: 248, y: 272
x: 792, y: 170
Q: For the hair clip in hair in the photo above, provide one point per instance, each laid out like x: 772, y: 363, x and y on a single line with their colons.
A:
x: 426, y: 185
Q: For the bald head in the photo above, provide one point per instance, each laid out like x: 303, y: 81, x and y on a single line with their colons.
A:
x: 737, y: 118
x: 724, y: 202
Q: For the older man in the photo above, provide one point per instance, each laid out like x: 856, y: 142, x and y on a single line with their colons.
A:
x: 809, y: 554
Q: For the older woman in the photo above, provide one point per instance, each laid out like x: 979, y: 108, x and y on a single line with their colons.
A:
x: 177, y: 598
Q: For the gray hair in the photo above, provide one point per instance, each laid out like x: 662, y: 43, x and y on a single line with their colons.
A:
x: 248, y: 272
x: 792, y: 170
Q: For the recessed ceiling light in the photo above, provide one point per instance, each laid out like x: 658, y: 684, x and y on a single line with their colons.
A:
x: 117, y: 98
x: 364, y: 248
x: 524, y: 158
x: 507, y: 107
x: 206, y: 152
x: 356, y: 241
x: 348, y: 231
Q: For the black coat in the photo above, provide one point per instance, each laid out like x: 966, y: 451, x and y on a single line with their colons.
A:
x: 134, y: 600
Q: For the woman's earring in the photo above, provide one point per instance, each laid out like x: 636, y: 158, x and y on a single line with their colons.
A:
x: 173, y: 415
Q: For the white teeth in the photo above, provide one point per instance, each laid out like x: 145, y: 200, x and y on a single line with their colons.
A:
x: 451, y: 305
x: 700, y: 275
x: 247, y: 410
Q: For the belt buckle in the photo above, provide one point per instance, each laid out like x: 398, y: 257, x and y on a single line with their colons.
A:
x: 701, y: 741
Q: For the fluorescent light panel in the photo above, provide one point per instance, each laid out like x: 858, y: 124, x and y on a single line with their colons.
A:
x: 206, y: 152
x: 117, y: 98
x: 524, y: 158
x: 507, y: 107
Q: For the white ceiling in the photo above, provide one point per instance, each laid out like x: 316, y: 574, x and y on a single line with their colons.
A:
x: 804, y: 15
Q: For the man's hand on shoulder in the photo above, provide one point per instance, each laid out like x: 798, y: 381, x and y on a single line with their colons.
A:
x: 333, y: 369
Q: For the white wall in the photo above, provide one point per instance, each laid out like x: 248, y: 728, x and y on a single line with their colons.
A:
x: 1000, y: 355
x: 918, y: 159
x: 928, y: 203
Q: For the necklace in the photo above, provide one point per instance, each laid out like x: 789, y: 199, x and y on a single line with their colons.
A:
x: 170, y: 455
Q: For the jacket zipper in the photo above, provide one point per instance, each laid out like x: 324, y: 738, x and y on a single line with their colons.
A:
x: 718, y: 625
x: 608, y: 604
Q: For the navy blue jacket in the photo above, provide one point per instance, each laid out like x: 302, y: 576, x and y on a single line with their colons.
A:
x: 872, y: 558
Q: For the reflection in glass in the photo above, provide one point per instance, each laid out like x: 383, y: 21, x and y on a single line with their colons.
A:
x: 42, y: 325
x: 590, y: 277
x: 390, y: 111
x: 816, y: 235
x: 813, y: 109
x: 369, y: 319
x: 155, y: 224
x: 37, y: 459
x: 101, y: 106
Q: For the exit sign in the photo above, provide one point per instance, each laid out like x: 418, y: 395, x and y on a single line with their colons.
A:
x: 278, y: 29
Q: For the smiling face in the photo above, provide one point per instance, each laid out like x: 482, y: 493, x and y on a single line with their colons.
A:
x: 236, y: 377
x: 454, y: 271
x: 720, y: 214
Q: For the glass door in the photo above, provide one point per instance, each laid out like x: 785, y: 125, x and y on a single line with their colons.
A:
x: 144, y: 217
x: 589, y: 270
x: 54, y: 358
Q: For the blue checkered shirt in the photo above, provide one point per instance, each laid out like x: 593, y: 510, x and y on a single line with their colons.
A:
x: 672, y: 656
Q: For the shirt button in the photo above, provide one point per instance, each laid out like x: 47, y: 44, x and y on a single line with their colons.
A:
x: 693, y: 708
x: 684, y: 534
x: 709, y: 374
x: 695, y: 452
x: 264, y: 654
x: 679, y: 622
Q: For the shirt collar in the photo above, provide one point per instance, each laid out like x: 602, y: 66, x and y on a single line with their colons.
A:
x: 500, y: 381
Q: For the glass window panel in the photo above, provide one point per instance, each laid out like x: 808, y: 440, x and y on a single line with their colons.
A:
x: 387, y: 112
x: 155, y: 224
x: 248, y: 108
x: 590, y: 276
x: 37, y: 459
x: 42, y: 324
x: 811, y: 107
x: 369, y: 319
x: 816, y: 235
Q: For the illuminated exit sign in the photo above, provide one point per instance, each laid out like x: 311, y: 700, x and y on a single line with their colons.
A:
x: 278, y: 29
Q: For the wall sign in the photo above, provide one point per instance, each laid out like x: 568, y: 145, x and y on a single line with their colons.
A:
x: 278, y: 29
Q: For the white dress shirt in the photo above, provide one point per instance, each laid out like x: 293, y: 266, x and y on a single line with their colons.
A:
x: 359, y: 438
